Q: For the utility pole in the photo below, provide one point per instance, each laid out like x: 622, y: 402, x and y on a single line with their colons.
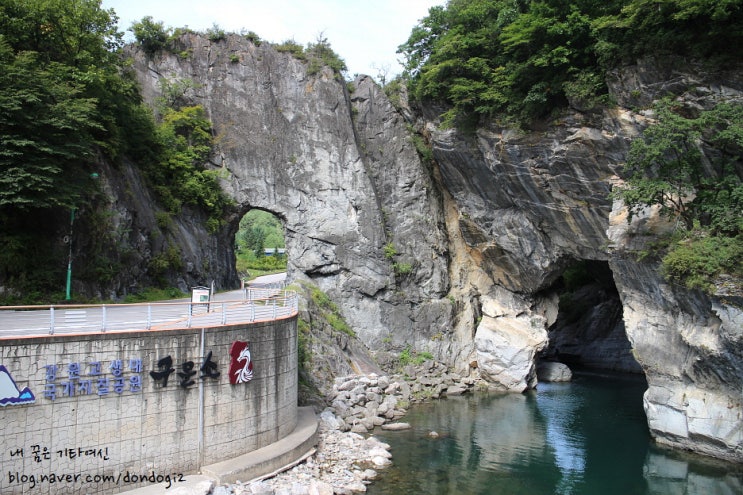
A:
x: 68, y: 287
x: 68, y: 292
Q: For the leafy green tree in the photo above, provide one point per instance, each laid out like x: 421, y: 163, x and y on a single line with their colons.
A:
x: 255, y: 240
x: 512, y: 57
x: 77, y: 33
x: 690, y: 165
x: 320, y: 53
x: 184, y: 143
x: 668, y: 167
x: 46, y: 125
x: 259, y: 229
x: 152, y: 36
x: 66, y: 99
x: 703, y: 29
x: 521, y: 60
x: 63, y: 99
x: 216, y: 33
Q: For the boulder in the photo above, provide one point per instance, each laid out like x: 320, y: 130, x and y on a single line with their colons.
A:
x: 548, y: 371
x: 396, y: 426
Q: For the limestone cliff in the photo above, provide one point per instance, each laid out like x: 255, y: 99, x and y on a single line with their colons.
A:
x: 341, y: 172
x: 531, y: 204
x: 464, y: 257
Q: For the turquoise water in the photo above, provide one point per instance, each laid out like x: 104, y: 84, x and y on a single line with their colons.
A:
x: 587, y: 437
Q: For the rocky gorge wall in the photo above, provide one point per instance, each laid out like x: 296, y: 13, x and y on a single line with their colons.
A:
x: 338, y: 169
x: 461, y: 256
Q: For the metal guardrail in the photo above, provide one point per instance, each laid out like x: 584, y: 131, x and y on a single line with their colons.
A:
x: 256, y: 304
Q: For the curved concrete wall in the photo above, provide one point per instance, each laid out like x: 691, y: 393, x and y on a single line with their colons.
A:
x: 101, y: 421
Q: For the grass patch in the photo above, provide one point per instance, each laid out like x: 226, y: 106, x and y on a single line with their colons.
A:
x: 410, y: 356
x: 151, y: 294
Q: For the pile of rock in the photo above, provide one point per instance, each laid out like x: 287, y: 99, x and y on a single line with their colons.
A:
x: 345, y: 460
x: 362, y: 403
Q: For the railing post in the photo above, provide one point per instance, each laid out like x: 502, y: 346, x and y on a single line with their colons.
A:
x: 149, y: 316
x: 103, y: 318
x: 274, y: 308
x: 51, y: 320
x: 190, y: 313
x: 224, y: 314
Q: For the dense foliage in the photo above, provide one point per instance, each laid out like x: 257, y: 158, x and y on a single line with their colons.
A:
x: 317, y: 55
x: 690, y: 165
x: 56, y: 67
x: 185, y: 141
x: 259, y: 230
x: 64, y: 101
x: 67, y: 101
x: 521, y: 59
x: 153, y: 36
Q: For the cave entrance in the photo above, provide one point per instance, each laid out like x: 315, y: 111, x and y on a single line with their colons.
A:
x: 260, y: 246
x: 589, y: 330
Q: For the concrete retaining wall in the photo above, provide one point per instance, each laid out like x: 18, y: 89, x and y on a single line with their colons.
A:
x: 102, y: 421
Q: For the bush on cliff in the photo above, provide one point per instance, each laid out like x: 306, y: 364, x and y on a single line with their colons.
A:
x: 689, y: 163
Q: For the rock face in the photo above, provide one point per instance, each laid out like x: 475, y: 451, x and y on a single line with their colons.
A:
x: 341, y: 172
x: 690, y: 347
x: 462, y: 257
x: 528, y: 204
x: 147, y: 244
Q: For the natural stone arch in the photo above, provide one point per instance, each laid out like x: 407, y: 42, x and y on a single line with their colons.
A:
x: 254, y: 212
x: 589, y: 329
x: 338, y: 168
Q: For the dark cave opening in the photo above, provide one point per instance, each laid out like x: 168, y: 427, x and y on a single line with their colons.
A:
x: 589, y: 330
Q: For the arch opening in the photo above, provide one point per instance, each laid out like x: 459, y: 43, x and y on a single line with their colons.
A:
x: 589, y: 331
x: 260, y: 245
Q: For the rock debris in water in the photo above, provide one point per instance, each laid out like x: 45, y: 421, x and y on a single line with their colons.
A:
x: 348, y: 457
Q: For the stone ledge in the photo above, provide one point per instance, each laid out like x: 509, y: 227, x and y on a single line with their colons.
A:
x: 272, y: 457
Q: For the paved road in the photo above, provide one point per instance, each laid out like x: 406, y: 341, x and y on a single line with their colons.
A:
x: 261, y: 300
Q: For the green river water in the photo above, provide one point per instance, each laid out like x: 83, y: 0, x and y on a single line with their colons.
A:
x: 587, y: 437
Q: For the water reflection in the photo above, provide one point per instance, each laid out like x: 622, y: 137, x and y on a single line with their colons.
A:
x: 586, y: 437
x: 669, y: 473
x: 566, y: 442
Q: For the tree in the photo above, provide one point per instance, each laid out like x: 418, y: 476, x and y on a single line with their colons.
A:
x: 46, y: 126
x: 689, y: 166
x: 510, y: 57
x: 320, y: 54
x: 522, y: 60
x: 77, y: 33
x: 152, y: 36
x: 63, y: 99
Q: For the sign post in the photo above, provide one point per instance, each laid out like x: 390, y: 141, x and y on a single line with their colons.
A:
x: 200, y: 295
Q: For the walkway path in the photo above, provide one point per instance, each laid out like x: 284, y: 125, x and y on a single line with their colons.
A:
x: 263, y: 299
